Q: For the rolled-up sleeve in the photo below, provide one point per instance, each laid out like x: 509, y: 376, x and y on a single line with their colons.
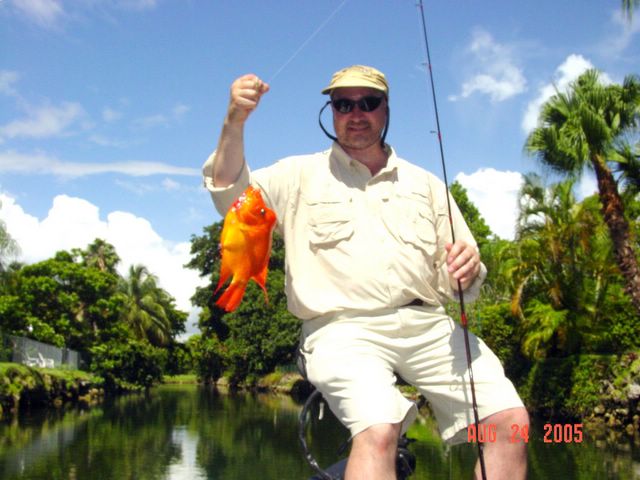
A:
x: 223, y: 197
x: 462, y: 232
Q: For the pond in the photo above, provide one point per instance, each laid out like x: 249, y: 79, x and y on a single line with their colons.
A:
x: 192, y: 433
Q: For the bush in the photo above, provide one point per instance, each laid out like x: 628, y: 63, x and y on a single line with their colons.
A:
x: 128, y: 366
x: 499, y: 330
x: 207, y: 357
x: 567, y: 387
x: 180, y: 359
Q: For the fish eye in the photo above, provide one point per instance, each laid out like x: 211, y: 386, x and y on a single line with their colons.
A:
x: 262, y: 212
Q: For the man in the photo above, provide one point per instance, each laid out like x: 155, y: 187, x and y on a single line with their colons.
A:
x: 369, y: 266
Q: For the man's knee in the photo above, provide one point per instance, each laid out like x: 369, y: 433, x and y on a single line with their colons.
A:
x: 510, y: 421
x: 381, y: 438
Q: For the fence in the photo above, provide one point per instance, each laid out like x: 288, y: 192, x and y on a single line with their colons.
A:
x: 37, y: 354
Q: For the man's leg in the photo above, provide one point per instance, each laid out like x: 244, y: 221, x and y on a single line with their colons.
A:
x: 506, y: 457
x: 351, y: 362
x: 437, y: 365
x: 373, y: 453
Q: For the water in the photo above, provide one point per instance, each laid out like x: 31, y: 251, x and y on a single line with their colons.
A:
x: 192, y: 433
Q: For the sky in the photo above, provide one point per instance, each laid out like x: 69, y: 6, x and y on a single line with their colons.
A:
x: 109, y: 108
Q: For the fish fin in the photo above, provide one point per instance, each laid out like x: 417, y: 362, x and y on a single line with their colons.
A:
x: 232, y: 296
x: 261, y: 279
x: 225, y: 271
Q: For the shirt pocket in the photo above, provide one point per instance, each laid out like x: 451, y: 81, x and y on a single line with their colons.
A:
x: 416, y: 222
x: 330, y: 221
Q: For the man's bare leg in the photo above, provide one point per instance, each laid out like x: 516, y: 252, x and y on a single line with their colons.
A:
x: 506, y: 457
x: 373, y: 453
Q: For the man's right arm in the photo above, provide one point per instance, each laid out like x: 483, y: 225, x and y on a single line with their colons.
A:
x: 228, y: 161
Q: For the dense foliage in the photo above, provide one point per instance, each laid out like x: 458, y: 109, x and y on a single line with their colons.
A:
x: 592, y: 126
x: 254, y: 339
x: 77, y: 300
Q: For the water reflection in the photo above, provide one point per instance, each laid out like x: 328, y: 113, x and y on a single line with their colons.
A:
x: 186, y: 466
x: 185, y: 433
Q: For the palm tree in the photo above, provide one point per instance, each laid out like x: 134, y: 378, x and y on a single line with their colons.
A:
x: 581, y: 128
x: 628, y: 166
x: 145, y: 308
x: 561, y: 271
x: 101, y: 255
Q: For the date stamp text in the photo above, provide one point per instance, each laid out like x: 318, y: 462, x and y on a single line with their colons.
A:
x: 552, y: 433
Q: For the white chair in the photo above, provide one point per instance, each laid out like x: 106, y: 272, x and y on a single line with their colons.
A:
x: 45, y: 362
x: 31, y: 361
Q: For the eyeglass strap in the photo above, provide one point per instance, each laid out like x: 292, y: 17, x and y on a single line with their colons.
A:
x: 335, y: 139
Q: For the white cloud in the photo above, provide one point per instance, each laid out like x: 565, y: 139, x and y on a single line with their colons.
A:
x: 46, y: 13
x: 137, y: 4
x: 622, y: 36
x: 111, y: 115
x: 180, y: 110
x: 162, y: 119
x: 495, y: 194
x: 151, y: 121
x: 169, y: 184
x: 573, y: 66
x: 105, y: 141
x: 7, y: 79
x: 497, y: 75
x: 43, y: 164
x: 44, y: 121
x: 75, y: 223
x: 51, y: 13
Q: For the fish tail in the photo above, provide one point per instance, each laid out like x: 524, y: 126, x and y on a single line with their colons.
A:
x: 232, y: 296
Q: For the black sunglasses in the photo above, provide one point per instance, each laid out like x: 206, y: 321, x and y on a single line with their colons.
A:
x: 365, y: 104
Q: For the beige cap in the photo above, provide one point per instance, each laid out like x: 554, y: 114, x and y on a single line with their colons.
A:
x: 358, y: 76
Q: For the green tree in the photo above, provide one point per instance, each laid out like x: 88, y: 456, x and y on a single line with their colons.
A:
x: 559, y: 295
x: 255, y: 338
x: 146, y: 306
x: 128, y: 365
x: 8, y: 247
x: 59, y: 301
x: 581, y: 128
x: 628, y: 166
x: 479, y: 228
x: 99, y: 254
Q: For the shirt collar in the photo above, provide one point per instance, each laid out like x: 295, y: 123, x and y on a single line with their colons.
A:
x: 346, y: 161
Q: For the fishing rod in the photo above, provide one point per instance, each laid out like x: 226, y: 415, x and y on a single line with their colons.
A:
x: 463, y: 315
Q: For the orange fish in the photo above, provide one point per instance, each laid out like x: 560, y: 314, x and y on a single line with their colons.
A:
x: 245, y: 245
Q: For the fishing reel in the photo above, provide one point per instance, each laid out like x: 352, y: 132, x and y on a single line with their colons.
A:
x: 405, y: 459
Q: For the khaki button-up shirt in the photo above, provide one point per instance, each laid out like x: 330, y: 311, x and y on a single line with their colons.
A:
x: 354, y: 241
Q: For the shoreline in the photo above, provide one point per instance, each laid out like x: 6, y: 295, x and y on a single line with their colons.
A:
x: 604, y: 426
x: 30, y: 387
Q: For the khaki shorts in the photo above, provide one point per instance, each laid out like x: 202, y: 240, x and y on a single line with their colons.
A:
x: 352, y: 358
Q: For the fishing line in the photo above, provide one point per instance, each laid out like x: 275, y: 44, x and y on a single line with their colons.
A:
x: 304, y: 44
x: 463, y: 315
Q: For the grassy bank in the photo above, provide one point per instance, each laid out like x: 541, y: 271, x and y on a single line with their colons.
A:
x: 22, y: 386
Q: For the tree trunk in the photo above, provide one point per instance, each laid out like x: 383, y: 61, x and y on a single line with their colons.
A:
x: 613, y: 213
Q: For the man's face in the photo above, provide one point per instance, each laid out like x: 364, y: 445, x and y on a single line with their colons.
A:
x: 358, y: 130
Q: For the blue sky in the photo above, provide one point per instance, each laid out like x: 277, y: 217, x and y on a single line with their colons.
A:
x: 109, y: 108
